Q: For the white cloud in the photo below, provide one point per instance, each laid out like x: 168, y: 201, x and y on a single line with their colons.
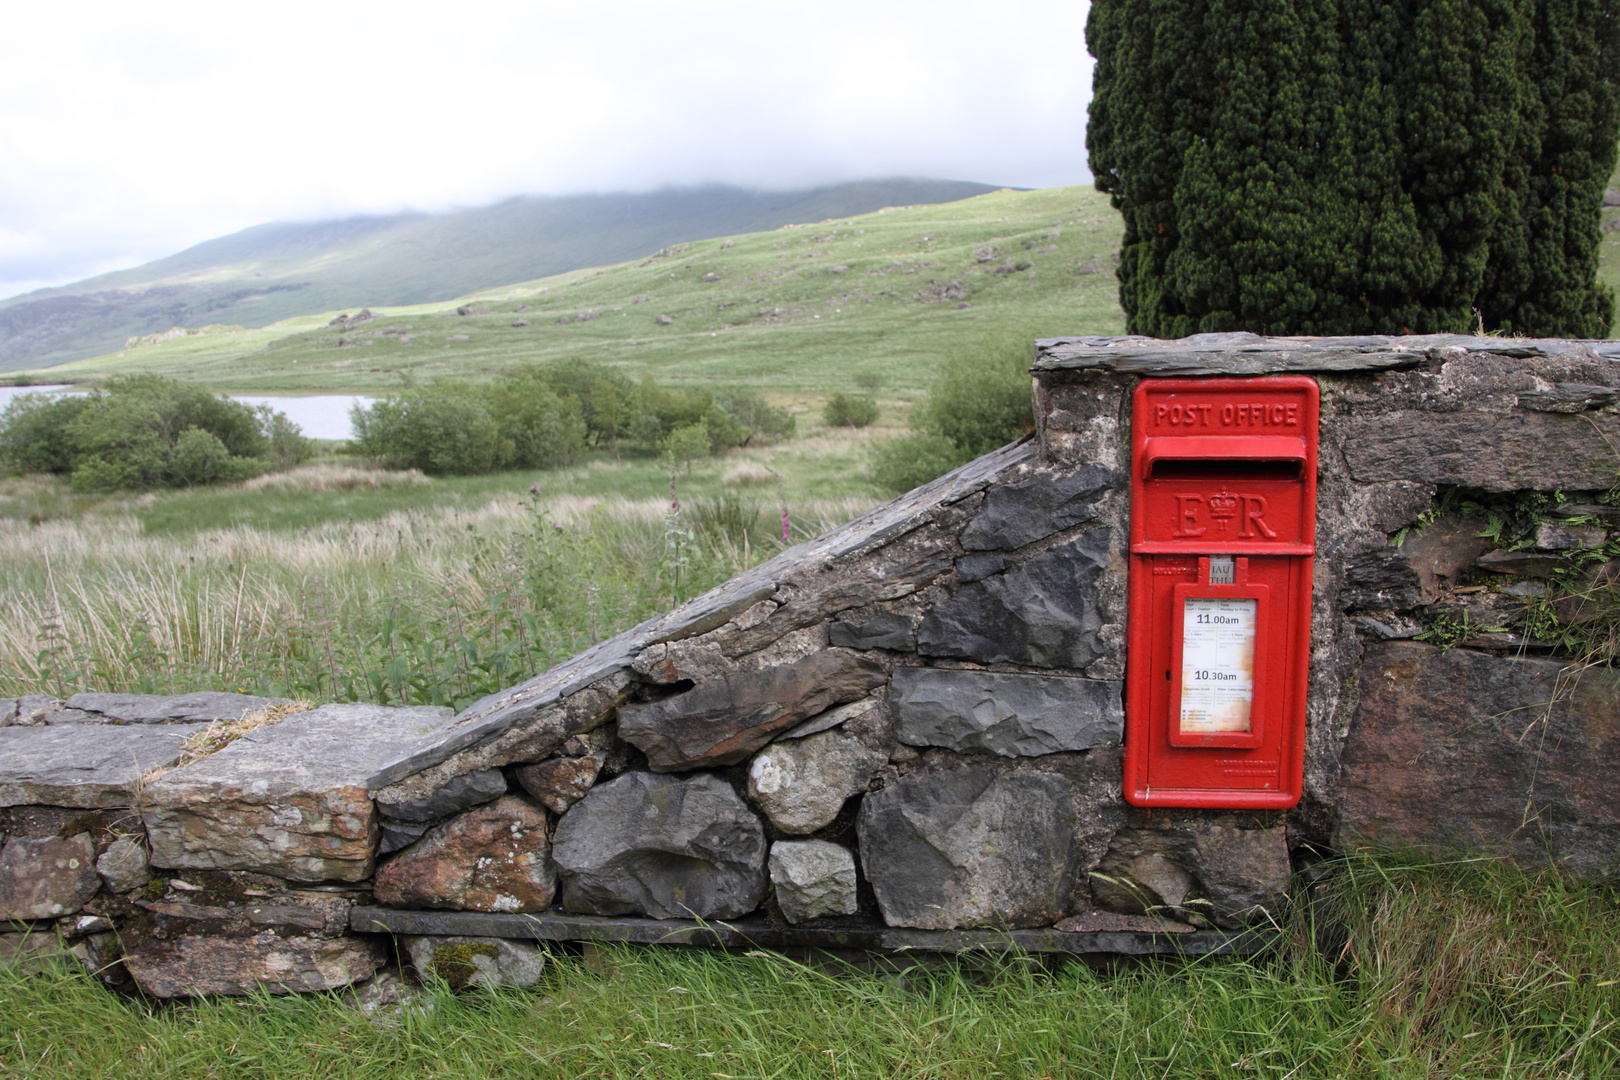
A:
x: 130, y: 131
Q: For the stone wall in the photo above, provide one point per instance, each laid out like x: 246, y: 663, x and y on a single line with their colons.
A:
x: 903, y: 734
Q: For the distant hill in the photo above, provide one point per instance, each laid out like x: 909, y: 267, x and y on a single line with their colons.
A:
x: 272, y: 272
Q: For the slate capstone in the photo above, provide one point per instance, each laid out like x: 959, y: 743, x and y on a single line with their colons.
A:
x: 460, y: 793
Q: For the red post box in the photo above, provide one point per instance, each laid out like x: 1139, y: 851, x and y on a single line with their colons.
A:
x: 1223, y: 530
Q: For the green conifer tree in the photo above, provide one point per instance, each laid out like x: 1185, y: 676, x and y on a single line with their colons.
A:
x: 1351, y: 166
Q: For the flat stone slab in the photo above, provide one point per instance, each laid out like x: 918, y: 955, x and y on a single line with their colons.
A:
x: 204, y: 707
x: 1007, y: 714
x: 83, y: 765
x: 1244, y: 353
x: 758, y: 933
x: 1459, y: 753
x: 289, y: 799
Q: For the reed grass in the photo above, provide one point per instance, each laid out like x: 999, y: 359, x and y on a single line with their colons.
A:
x: 427, y: 606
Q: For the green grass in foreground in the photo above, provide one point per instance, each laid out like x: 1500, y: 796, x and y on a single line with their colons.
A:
x: 1415, y: 971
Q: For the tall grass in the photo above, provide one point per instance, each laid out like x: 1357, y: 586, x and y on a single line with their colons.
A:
x: 1453, y: 971
x: 432, y: 606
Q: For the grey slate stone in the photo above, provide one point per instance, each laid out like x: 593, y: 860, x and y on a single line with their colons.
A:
x: 1043, y: 613
x: 758, y: 932
x: 812, y: 878
x: 1017, y: 514
x: 975, y: 845
x: 884, y: 630
x: 205, y: 706
x: 462, y: 793
x: 1449, y: 749
x: 831, y: 718
x: 1196, y: 865
x: 1008, y: 714
x: 83, y: 765
x: 1240, y: 353
x: 801, y: 784
x: 724, y: 720
x: 8, y: 710
x: 661, y: 846
x: 977, y: 567
x: 47, y: 877
x: 289, y: 799
x: 123, y: 865
x: 398, y: 835
x: 466, y: 962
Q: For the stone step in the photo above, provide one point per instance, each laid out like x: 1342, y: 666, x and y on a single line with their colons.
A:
x: 757, y: 933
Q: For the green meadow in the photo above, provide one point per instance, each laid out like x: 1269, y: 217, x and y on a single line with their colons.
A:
x: 796, y: 311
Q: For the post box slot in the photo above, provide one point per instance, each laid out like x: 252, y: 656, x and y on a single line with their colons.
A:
x: 1205, y: 468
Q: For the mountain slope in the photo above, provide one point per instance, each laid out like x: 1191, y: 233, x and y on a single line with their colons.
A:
x: 276, y: 271
x: 793, y: 311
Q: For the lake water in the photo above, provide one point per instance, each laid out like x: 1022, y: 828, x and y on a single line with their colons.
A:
x: 322, y: 416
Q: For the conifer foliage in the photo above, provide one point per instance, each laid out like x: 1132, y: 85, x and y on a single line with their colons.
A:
x: 1356, y: 166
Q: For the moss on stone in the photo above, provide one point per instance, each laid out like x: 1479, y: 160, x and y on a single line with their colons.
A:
x: 454, y: 963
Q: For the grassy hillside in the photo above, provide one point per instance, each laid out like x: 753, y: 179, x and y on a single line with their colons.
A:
x: 798, y: 310
x: 274, y: 271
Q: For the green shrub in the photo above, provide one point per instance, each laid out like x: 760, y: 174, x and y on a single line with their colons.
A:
x: 34, y: 432
x: 446, y: 428
x: 536, y: 427
x: 847, y: 410
x: 913, y: 460
x: 143, y: 431
x: 982, y: 402
x: 686, y: 444
x: 760, y: 421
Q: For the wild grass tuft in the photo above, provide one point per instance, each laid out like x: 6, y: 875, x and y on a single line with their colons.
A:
x: 1463, y: 970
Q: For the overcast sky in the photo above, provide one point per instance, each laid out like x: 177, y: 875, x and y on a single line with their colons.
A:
x: 130, y: 131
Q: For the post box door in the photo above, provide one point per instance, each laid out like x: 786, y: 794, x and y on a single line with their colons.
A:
x: 1222, y: 536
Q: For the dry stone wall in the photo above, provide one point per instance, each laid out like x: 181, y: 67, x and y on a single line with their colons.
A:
x: 906, y: 733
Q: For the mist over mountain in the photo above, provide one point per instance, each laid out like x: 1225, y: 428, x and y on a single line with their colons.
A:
x: 271, y: 272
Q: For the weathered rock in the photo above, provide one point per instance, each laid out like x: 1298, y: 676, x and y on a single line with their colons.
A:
x: 858, y: 712
x: 558, y: 783
x: 463, y: 792
x: 46, y: 877
x: 1454, y: 752
x: 465, y: 962
x: 123, y: 865
x: 289, y: 799
x: 723, y: 721
x: 1017, y: 514
x: 1381, y: 579
x: 812, y: 878
x: 1443, y: 552
x: 387, y: 999
x: 977, y: 845
x: 1006, y: 714
x: 661, y: 846
x: 191, y: 966
x: 1043, y: 613
x: 801, y: 784
x: 1522, y: 562
x: 84, y: 766
x: 492, y: 858
x: 884, y: 630
x: 206, y: 706
x: 8, y: 710
x: 1551, y: 537
x: 1111, y: 922
x: 38, y: 951
x: 971, y: 568
x: 399, y: 835
x: 1209, y: 869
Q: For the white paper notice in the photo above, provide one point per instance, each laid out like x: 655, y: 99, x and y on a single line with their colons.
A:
x: 1217, y: 664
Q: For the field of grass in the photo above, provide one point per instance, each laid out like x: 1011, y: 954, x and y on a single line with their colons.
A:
x: 800, y: 310
x: 341, y: 582
x: 1396, y: 971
